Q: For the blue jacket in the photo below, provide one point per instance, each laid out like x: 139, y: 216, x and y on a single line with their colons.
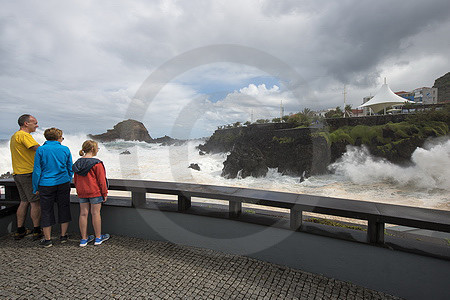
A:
x: 52, y: 165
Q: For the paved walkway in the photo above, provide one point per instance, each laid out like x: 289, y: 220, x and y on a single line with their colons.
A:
x: 130, y: 268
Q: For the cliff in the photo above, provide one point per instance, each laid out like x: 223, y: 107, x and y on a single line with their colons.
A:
x: 128, y: 130
x: 309, y: 151
x: 254, y: 149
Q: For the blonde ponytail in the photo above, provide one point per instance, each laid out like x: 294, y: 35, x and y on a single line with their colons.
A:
x: 89, y: 146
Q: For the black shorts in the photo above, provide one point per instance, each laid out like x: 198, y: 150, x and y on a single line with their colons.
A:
x: 51, y: 194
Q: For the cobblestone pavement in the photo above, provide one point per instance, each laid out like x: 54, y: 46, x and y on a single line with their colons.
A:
x: 131, y: 268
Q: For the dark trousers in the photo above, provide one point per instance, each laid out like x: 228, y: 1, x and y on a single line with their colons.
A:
x: 51, y: 194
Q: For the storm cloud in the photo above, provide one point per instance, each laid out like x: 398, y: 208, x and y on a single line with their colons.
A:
x: 77, y: 65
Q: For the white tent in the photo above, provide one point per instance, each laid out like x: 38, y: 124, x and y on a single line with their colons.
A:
x: 383, y: 99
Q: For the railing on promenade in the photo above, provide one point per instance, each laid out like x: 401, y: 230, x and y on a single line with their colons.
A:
x: 376, y: 214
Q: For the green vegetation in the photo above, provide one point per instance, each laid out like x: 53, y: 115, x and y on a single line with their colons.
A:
x: 386, y: 233
x: 393, y: 141
x: 387, y: 134
x: 283, y: 140
x: 334, y: 223
x: 323, y: 134
x: 341, y: 135
x: 438, y: 114
x: 276, y: 120
x: 335, y: 113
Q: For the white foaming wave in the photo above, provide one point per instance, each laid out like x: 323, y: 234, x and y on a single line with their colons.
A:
x: 430, y: 169
x: 73, y: 141
x: 357, y: 176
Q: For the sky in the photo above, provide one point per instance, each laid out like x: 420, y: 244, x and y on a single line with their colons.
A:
x: 183, y: 68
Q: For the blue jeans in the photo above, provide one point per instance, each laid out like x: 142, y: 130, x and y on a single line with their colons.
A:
x: 93, y: 200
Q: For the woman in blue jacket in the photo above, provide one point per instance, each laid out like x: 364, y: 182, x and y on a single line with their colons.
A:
x: 51, y: 180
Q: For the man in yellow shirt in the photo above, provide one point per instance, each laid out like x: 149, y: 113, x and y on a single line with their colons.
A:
x: 23, y: 147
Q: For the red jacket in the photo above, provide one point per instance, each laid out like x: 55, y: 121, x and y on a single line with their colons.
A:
x: 93, y: 184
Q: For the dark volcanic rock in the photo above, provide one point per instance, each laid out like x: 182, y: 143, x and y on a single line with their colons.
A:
x: 128, y: 130
x: 294, y: 151
x: 308, y: 151
x: 6, y: 175
x: 194, y: 166
x: 125, y: 152
x: 168, y: 141
x: 250, y: 161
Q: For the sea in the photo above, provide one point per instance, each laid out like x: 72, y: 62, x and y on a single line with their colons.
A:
x: 425, y: 182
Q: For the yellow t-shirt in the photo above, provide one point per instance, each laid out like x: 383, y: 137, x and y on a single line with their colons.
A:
x: 21, y: 154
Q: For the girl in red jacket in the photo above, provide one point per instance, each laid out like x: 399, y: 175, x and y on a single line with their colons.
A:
x: 92, y: 189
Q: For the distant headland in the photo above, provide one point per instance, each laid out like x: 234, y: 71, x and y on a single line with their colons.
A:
x: 132, y: 130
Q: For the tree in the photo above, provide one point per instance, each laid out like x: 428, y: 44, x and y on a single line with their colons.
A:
x: 247, y: 123
x: 348, y: 109
x: 307, y: 112
x: 336, y: 113
x: 299, y: 119
x: 237, y: 124
x: 276, y: 120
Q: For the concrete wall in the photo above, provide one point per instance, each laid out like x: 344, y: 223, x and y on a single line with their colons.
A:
x: 406, y: 275
x: 402, y: 274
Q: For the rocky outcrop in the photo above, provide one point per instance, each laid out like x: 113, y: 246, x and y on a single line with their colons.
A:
x: 168, y: 141
x: 443, y: 86
x: 254, y: 149
x: 246, y: 162
x: 128, y: 130
x: 309, y: 151
x: 6, y: 175
x: 194, y: 167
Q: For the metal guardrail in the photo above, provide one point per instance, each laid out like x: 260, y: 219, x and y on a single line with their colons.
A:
x: 376, y: 214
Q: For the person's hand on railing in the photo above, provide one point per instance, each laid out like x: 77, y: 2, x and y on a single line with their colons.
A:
x: 104, y: 199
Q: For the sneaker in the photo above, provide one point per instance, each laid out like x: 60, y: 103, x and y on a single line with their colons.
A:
x: 103, y: 237
x: 19, y: 236
x: 63, y: 239
x: 84, y: 242
x: 46, y: 243
x: 37, y: 235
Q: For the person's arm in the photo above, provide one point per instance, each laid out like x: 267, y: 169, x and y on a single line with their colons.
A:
x: 100, y: 175
x: 30, y: 142
x: 69, y: 164
x: 36, y: 177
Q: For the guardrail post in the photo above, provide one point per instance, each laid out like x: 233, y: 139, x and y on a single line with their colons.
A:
x: 234, y: 209
x: 296, y: 219
x: 137, y: 199
x: 184, y: 202
x: 11, y: 193
x: 375, y: 232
